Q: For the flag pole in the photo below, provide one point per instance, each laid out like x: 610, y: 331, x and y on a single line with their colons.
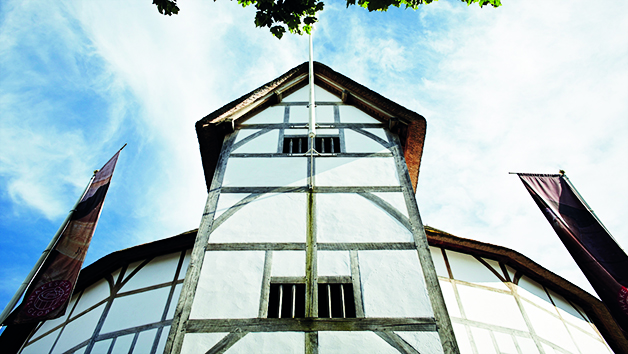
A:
x: 29, y: 278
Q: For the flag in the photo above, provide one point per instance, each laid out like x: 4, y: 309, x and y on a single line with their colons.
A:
x: 595, y: 251
x: 48, y: 294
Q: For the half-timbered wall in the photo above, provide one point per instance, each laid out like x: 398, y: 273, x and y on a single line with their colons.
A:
x: 497, y: 309
x: 275, y: 217
x: 129, y: 311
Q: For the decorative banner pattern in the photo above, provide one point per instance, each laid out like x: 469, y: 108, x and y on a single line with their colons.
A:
x: 47, y: 296
x: 595, y: 251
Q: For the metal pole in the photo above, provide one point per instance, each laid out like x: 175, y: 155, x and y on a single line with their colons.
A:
x: 29, y: 278
x: 312, y: 125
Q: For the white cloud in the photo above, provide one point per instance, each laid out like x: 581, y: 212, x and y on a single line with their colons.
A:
x: 525, y: 87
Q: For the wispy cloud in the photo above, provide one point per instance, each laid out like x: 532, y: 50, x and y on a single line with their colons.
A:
x: 524, y: 87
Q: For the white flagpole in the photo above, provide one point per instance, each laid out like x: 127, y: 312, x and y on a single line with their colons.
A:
x: 312, y: 122
x: 312, y: 125
x: 29, y: 278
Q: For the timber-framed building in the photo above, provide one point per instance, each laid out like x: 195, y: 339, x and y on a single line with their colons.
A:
x: 316, y: 245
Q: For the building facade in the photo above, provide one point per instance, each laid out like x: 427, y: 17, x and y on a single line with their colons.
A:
x: 316, y: 245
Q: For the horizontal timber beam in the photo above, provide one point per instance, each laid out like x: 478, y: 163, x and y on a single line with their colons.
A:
x: 301, y: 246
x: 316, y: 189
x: 418, y: 324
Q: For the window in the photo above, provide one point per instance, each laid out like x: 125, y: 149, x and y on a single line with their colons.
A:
x: 295, y: 145
x: 286, y: 301
x: 336, y: 300
x: 323, y: 144
x: 327, y: 144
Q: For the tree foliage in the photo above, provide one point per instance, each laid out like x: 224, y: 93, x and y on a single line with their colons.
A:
x: 298, y: 16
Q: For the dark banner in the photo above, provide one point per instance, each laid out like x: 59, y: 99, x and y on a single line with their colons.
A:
x: 48, y: 295
x: 595, y: 251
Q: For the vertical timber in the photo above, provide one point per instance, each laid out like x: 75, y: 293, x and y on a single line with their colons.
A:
x: 443, y: 321
x: 184, y: 306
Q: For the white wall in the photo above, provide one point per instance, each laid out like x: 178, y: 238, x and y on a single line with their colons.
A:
x: 490, y: 316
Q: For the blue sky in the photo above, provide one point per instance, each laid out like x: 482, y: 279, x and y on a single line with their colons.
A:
x: 530, y: 86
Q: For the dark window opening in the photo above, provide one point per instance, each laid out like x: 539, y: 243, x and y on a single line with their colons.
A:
x: 327, y: 145
x: 286, y: 301
x: 336, y: 301
x: 295, y: 145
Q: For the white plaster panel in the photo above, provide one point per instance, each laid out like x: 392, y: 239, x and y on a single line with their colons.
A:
x: 243, y: 133
x: 326, y: 132
x: 566, y: 310
x: 159, y: 270
x: 548, y: 349
x: 334, y: 263
x: 353, y: 342
x: 296, y: 132
x: 288, y: 264
x: 350, y: 114
x: 549, y: 327
x: 396, y: 200
x: 490, y: 307
x: 483, y: 341
x: 229, y: 285
x: 494, y: 265
x: 393, y: 284
x: 251, y: 223
x: 185, y: 265
x: 145, y: 341
x: 299, y: 115
x: 588, y: 344
x: 348, y: 217
x: 467, y: 268
x: 173, y: 303
x: 322, y: 95
x: 147, y: 307
x: 266, y: 172
x: 123, y: 344
x: 356, y: 142
x: 270, y: 343
x: 534, y: 292
x: 162, y: 340
x: 423, y: 342
x: 324, y: 114
x: 265, y: 143
x: 378, y: 132
x: 101, y: 347
x: 303, y: 95
x: 195, y: 343
x: 300, y: 95
x: 42, y: 345
x: 527, y: 345
x: 505, y: 343
x: 460, y: 332
x: 439, y: 262
x: 270, y: 115
x: 92, y: 295
x: 78, y: 330
x: 226, y: 201
x: 450, y: 298
x: 50, y: 324
x: 348, y: 171
x: 578, y: 322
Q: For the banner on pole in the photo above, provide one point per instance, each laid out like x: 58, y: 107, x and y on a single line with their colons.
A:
x: 48, y: 294
x: 595, y: 251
